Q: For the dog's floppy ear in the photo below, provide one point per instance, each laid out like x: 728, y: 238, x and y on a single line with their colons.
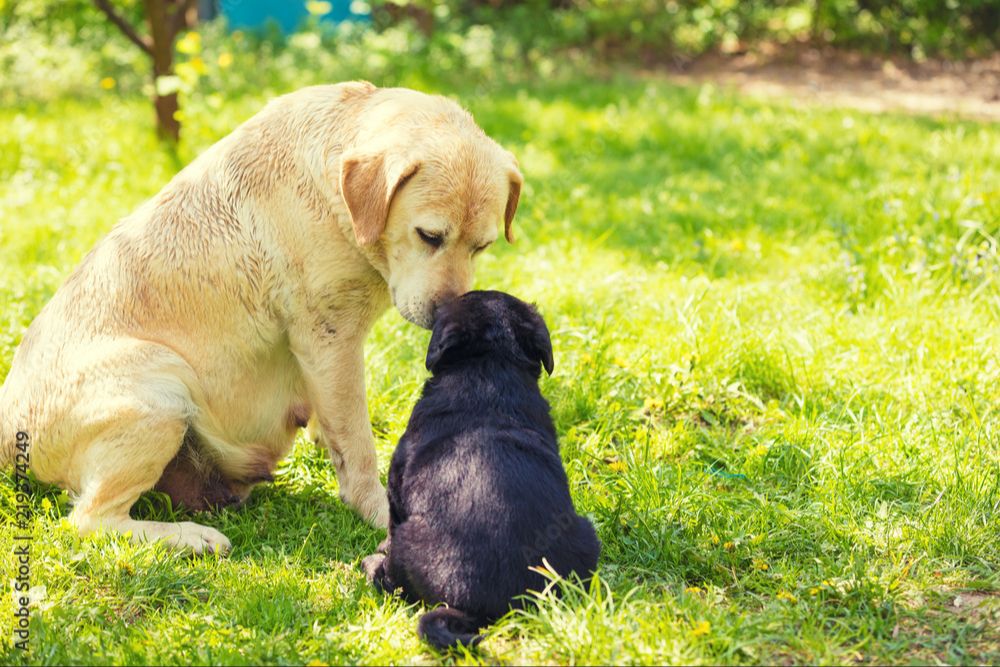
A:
x: 533, y: 337
x: 368, y: 183
x: 443, y: 339
x: 516, y: 181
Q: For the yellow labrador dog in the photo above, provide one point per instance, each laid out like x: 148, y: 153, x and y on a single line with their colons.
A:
x: 208, y: 326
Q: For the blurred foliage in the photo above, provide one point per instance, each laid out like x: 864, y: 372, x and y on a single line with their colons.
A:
x: 658, y: 28
x: 917, y: 27
x: 51, y: 48
x: 60, y: 16
x: 212, y: 63
x: 41, y: 30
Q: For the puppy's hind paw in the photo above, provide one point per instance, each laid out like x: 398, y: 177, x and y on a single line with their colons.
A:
x: 374, y: 567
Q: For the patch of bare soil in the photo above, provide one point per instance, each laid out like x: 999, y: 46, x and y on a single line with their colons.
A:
x: 966, y: 89
x: 976, y: 605
x: 963, y: 620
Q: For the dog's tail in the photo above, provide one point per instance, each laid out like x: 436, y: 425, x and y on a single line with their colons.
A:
x: 445, y: 628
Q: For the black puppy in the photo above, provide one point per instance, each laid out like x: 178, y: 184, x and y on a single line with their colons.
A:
x: 477, y: 491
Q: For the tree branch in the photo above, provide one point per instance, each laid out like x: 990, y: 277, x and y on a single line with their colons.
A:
x: 182, y: 18
x: 127, y: 28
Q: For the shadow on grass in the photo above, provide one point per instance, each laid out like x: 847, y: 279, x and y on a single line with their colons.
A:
x: 278, y: 521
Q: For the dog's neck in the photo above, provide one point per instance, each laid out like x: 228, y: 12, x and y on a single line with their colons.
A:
x: 373, y: 253
x: 483, y: 385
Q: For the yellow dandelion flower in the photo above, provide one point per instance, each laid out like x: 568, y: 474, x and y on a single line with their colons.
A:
x: 760, y: 565
x: 652, y: 404
x: 715, y: 539
x: 701, y: 628
x: 728, y: 546
x: 107, y: 83
x: 787, y: 597
x: 225, y: 59
x: 693, y: 590
x: 618, y: 466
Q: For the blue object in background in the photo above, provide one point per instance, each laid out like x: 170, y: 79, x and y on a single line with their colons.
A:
x: 289, y: 15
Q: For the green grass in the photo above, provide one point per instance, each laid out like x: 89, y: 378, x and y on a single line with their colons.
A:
x: 776, y: 335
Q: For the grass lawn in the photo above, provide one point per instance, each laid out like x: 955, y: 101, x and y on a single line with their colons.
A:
x: 777, y: 383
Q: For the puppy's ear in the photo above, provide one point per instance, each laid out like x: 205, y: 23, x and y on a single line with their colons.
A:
x: 513, y: 196
x: 444, y: 340
x: 533, y: 337
x: 368, y: 183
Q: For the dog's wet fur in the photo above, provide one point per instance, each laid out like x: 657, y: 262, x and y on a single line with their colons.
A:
x: 477, y: 491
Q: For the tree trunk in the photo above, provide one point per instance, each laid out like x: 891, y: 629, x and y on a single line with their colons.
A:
x: 166, y: 18
x: 162, y: 34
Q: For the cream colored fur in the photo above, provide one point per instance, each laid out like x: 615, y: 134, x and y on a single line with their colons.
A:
x: 239, y: 297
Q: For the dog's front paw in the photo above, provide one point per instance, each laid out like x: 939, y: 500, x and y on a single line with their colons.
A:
x: 370, y: 502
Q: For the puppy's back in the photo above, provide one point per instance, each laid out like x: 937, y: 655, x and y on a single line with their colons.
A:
x: 485, y: 507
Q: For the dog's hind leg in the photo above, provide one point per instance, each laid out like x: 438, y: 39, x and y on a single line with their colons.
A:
x: 133, y: 455
x: 134, y: 427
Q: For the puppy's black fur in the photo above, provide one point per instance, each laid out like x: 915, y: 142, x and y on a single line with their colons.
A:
x: 477, y: 491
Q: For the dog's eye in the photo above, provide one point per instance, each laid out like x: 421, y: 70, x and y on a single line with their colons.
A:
x: 431, y: 239
x: 481, y: 248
